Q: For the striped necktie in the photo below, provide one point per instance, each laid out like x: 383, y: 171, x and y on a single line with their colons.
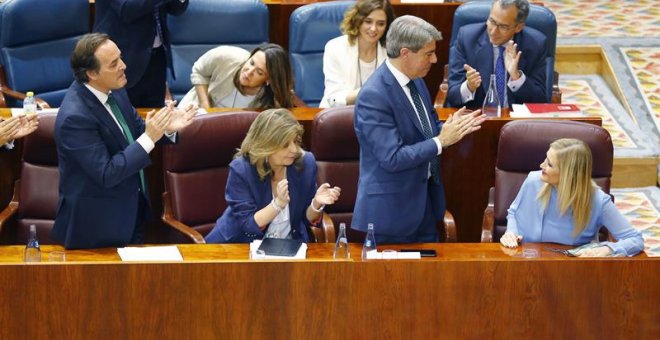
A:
x: 426, y: 128
x: 500, y: 75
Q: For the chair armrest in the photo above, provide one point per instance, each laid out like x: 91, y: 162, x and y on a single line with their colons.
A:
x: 488, y: 224
x: 449, y: 227
x: 556, y: 92
x: 441, y: 97
x: 12, y: 207
x: 328, y: 228
x: 6, y: 90
x: 169, y: 219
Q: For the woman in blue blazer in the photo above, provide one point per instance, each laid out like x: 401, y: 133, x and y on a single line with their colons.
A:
x: 562, y: 204
x: 271, y: 189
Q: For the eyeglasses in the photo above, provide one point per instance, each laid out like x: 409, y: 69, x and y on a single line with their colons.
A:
x: 502, y: 27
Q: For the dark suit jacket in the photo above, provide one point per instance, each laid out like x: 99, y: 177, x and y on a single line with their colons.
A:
x: 99, y: 172
x: 473, y: 47
x: 394, y: 158
x: 246, y: 194
x: 131, y: 25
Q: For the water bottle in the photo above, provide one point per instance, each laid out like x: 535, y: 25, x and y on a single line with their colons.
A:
x: 492, y: 106
x: 369, y: 241
x: 29, y: 104
x: 32, y: 250
x: 341, y: 246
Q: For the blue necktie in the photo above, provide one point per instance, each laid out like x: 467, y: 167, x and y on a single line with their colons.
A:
x: 426, y: 128
x: 500, y: 75
x: 127, y: 133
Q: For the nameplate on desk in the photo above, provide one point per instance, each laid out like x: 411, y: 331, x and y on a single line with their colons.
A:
x: 159, y: 253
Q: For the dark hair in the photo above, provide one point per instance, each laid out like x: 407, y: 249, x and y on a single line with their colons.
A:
x: 522, y: 8
x: 277, y: 92
x: 83, y: 58
x: 355, y: 16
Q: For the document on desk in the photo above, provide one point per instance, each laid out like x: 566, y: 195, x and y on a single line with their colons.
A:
x: 19, y: 112
x: 158, y: 253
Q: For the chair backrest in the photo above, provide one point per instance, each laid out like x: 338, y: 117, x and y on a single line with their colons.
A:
x: 337, y: 152
x: 210, y: 23
x: 197, y: 166
x: 36, y: 41
x: 522, y: 148
x: 310, y: 28
x: 39, y: 185
x: 540, y: 18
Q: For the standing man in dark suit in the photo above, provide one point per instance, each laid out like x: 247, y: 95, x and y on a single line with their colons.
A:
x: 103, y: 146
x: 139, y: 27
x: 502, y: 46
x: 400, y: 189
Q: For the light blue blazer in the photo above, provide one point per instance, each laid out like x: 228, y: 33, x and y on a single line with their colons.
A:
x: 527, y: 217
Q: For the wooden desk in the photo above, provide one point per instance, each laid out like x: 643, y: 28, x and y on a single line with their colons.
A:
x: 471, y: 291
x: 468, y: 171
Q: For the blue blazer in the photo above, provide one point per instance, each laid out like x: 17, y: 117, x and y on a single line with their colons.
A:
x: 527, y: 217
x: 473, y: 47
x: 246, y: 194
x: 99, y: 172
x: 394, y: 158
x: 131, y: 25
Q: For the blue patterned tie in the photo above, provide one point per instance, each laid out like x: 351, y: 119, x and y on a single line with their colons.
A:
x: 159, y: 28
x: 127, y: 133
x: 500, y: 75
x: 426, y: 128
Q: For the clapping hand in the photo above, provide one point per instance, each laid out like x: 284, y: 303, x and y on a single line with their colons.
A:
x: 282, y: 197
x: 28, y: 124
x: 460, y: 124
x: 473, y: 77
x: 326, y: 195
x: 180, y: 117
x: 511, y: 59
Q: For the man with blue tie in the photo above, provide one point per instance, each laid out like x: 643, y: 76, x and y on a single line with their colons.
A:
x: 103, y: 146
x: 400, y: 188
x: 502, y: 46
x: 139, y: 27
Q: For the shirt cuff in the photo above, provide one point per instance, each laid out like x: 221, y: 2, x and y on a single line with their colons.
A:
x: 466, y: 94
x: 146, y: 142
x: 9, y: 145
x: 438, y: 144
x: 515, y: 85
x: 171, y: 136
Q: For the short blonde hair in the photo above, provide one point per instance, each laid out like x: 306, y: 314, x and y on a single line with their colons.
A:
x: 271, y: 131
x: 575, y: 188
x: 357, y: 13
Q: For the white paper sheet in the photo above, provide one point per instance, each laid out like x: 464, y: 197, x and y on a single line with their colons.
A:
x: 300, y: 255
x: 19, y: 112
x: 376, y: 255
x: 158, y: 253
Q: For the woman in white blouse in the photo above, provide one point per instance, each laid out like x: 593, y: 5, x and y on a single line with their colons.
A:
x: 229, y: 76
x: 350, y: 59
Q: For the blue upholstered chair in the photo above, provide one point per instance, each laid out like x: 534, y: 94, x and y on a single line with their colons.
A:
x: 540, y: 18
x: 210, y: 23
x: 310, y: 28
x: 36, y: 40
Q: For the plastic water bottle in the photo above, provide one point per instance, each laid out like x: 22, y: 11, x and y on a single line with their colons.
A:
x: 32, y: 250
x: 369, y: 241
x: 341, y: 246
x: 29, y: 104
x: 492, y: 106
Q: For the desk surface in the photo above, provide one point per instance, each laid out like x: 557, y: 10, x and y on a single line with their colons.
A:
x: 471, y: 291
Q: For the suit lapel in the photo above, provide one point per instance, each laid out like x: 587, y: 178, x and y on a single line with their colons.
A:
x: 485, y: 51
x: 400, y: 100
x: 99, y: 111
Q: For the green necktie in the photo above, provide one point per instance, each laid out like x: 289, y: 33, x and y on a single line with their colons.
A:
x: 127, y: 132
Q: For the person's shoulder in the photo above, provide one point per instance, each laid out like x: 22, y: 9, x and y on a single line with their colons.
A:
x: 532, y: 35
x: 229, y: 50
x: 472, y: 31
x: 308, y: 158
x: 534, y: 176
x: 338, y: 42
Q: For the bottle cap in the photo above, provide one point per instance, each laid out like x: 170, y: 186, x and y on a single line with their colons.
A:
x: 30, y: 94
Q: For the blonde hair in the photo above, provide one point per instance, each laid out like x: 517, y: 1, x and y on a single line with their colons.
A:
x: 271, y: 131
x: 356, y: 14
x: 575, y: 188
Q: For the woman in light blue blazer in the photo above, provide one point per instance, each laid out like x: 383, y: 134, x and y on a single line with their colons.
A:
x: 562, y: 204
x: 271, y: 189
